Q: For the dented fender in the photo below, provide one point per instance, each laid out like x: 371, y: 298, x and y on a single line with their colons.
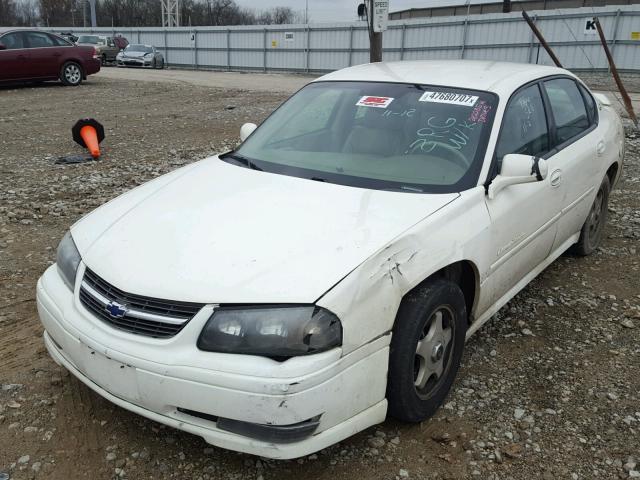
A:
x: 371, y: 294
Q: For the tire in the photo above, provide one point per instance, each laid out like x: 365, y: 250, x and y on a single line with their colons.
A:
x: 592, y: 231
x: 428, y: 337
x: 161, y: 64
x: 71, y: 74
x: 154, y: 65
x: 103, y: 60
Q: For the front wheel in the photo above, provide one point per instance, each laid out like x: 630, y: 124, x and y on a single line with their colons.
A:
x: 426, y: 349
x: 71, y: 74
x: 592, y: 231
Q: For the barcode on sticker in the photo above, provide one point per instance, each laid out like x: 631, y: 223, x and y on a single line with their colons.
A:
x: 378, y: 102
x: 450, y: 98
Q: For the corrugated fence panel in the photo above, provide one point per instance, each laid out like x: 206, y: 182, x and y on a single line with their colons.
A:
x: 326, y: 47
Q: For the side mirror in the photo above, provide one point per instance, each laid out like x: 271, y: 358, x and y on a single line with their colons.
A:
x: 517, y: 169
x: 2, y: 46
x: 246, y: 130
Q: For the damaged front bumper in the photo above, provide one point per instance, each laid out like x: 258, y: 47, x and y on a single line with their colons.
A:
x: 249, y: 404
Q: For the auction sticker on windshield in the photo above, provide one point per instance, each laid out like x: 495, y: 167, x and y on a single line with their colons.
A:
x: 378, y: 102
x: 449, y: 97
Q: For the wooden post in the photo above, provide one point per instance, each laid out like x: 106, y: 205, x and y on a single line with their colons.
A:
x: 541, y: 39
x: 614, y: 71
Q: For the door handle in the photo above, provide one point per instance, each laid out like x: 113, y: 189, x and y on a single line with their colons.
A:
x: 556, y: 178
x: 601, y: 147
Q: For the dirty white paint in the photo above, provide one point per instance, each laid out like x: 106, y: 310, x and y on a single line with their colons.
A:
x: 354, y: 251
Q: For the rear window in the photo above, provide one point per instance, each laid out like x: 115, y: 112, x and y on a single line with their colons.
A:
x: 93, y: 39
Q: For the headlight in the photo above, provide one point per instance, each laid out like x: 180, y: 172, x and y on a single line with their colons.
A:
x: 275, y: 332
x: 68, y: 260
x: 148, y: 55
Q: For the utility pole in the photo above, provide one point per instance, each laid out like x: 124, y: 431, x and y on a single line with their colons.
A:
x: 92, y: 8
x: 377, y: 17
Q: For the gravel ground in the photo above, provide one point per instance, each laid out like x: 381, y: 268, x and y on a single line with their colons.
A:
x: 550, y: 388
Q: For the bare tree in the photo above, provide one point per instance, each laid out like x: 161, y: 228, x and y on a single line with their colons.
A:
x: 138, y: 13
x: 7, y: 13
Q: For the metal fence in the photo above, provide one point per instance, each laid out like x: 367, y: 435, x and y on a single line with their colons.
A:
x: 327, y: 47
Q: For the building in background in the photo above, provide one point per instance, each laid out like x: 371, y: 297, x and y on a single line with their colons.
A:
x: 496, y: 7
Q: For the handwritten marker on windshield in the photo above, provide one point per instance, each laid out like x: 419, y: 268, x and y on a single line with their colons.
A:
x: 88, y: 133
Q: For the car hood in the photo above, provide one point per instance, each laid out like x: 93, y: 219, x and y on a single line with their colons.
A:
x: 213, y: 232
x: 134, y: 54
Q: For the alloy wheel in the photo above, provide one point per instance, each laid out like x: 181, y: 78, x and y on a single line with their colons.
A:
x: 72, y: 74
x: 433, y: 352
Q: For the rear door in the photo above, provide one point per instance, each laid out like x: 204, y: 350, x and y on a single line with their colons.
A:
x: 44, y: 55
x: 13, y: 60
x: 577, y: 150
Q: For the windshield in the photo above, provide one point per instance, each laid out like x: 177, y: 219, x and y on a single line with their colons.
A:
x: 139, y: 48
x: 93, y: 39
x: 414, y: 138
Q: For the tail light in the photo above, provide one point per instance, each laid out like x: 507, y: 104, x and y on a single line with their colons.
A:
x: 95, y: 53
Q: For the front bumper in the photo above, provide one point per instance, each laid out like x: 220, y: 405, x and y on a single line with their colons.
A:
x: 133, y: 62
x: 268, y: 404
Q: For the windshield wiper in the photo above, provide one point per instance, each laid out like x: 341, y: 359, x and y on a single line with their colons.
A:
x: 244, y: 161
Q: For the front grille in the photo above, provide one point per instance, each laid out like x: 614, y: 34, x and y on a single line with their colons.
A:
x: 152, y: 317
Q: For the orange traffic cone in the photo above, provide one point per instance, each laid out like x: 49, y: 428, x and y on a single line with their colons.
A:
x: 88, y: 133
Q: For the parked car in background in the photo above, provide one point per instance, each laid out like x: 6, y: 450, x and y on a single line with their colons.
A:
x: 281, y: 297
x: 105, y: 46
x: 33, y: 55
x: 137, y: 55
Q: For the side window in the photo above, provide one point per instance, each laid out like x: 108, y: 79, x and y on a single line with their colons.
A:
x: 39, y: 40
x: 590, y: 103
x: 524, y: 125
x: 567, y: 106
x: 59, y: 42
x: 13, y: 40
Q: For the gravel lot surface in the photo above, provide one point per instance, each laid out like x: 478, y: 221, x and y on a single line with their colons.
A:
x: 550, y: 388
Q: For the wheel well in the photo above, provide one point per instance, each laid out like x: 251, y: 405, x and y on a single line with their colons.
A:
x: 464, y: 274
x: 612, y: 173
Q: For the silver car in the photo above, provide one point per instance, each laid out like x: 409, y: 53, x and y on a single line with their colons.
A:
x: 137, y: 55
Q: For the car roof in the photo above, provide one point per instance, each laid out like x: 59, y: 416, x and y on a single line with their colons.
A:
x: 498, y: 77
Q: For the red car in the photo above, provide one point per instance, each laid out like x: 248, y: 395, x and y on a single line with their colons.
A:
x: 33, y: 55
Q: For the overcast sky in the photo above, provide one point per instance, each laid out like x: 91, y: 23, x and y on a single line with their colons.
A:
x: 342, y: 10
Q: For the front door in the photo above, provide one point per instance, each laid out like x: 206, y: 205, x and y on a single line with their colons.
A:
x: 523, y: 217
x: 13, y: 60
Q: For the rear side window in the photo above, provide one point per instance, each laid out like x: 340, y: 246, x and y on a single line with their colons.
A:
x: 59, y: 41
x: 39, y: 40
x: 13, y: 40
x: 567, y: 107
x: 524, y: 125
x: 590, y: 103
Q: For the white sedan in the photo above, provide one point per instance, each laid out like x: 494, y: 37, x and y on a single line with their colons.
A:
x: 281, y: 297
